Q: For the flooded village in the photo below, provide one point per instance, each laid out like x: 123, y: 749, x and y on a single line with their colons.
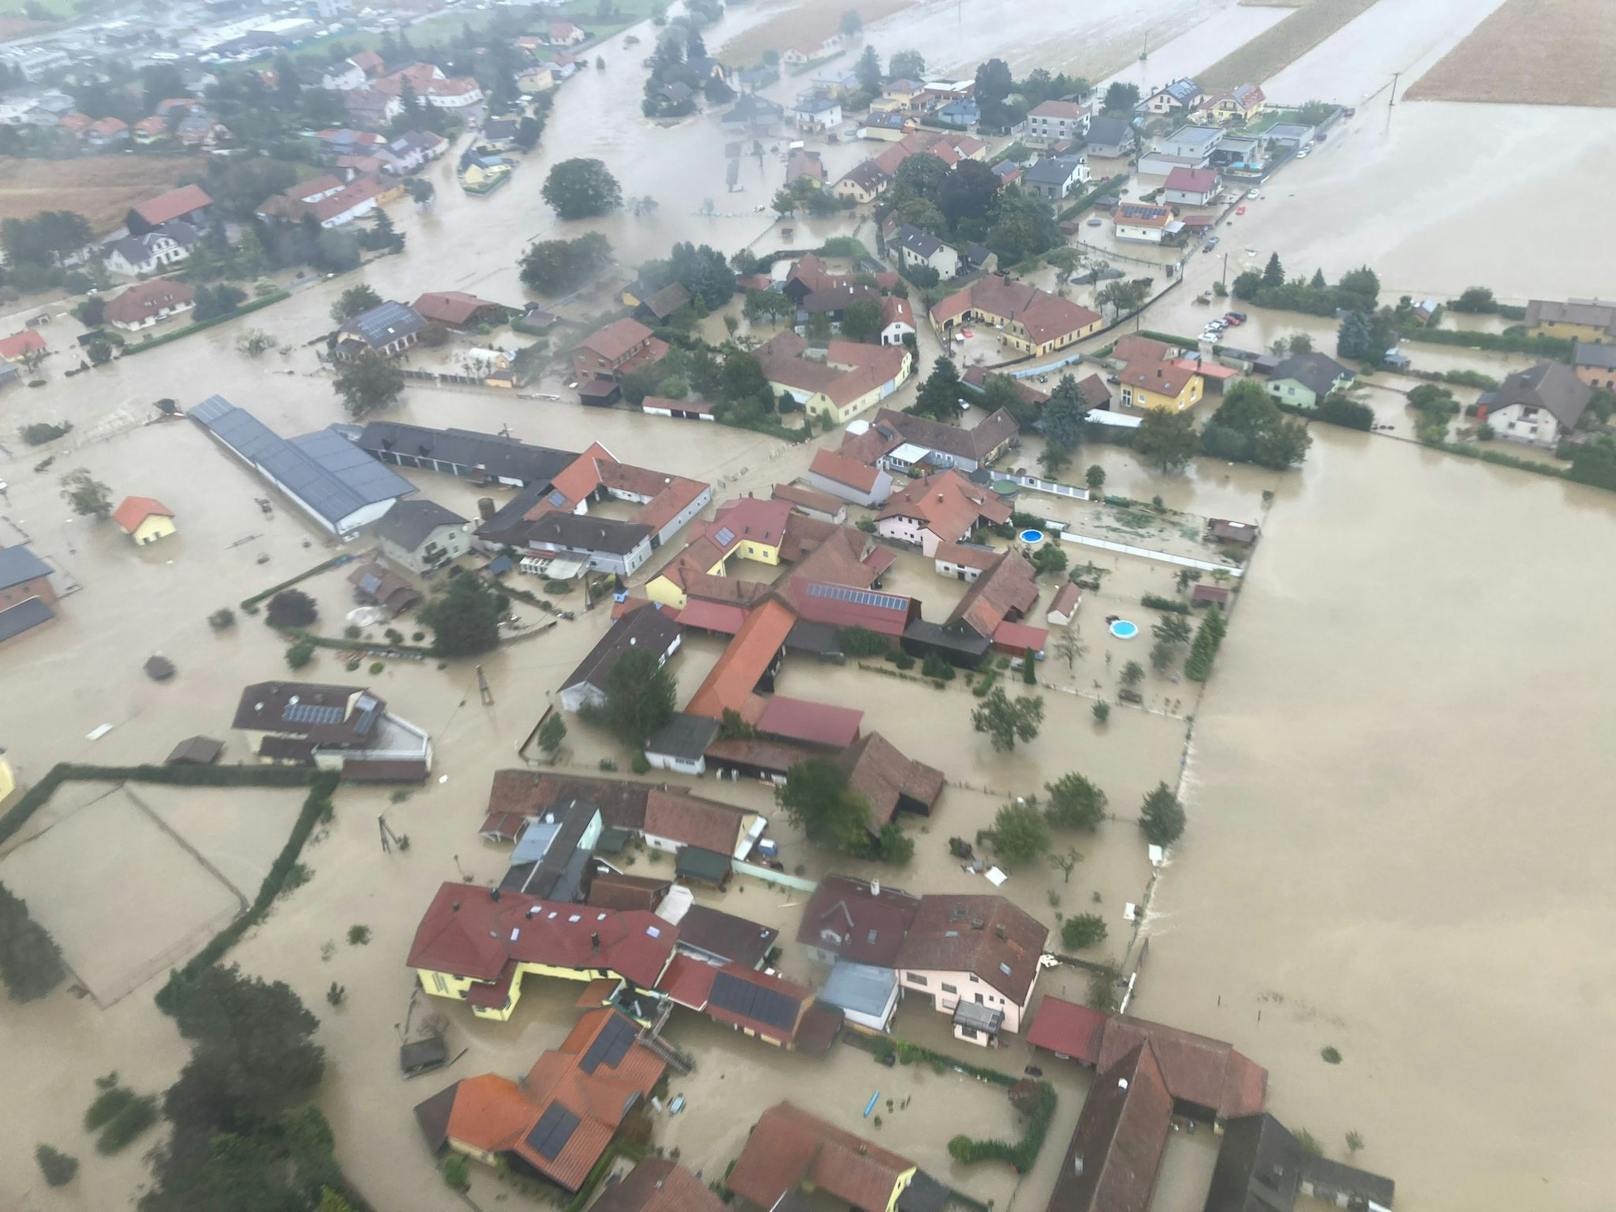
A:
x: 883, y: 606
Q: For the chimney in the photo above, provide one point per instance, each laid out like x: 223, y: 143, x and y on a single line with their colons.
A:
x: 1122, y: 1083
x: 875, y: 887
x: 493, y: 894
x: 454, y: 906
x: 594, y: 940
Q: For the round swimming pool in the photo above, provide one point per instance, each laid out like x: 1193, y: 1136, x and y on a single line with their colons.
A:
x: 1124, y: 630
x: 1031, y: 536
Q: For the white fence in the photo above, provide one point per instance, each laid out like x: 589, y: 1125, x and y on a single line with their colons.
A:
x: 770, y: 875
x: 1053, y: 487
x: 1146, y: 553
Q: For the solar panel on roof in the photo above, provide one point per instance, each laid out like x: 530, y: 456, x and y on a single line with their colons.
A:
x: 753, y: 1001
x: 311, y: 713
x: 557, y: 499
x: 724, y: 537
x: 610, y: 1046
x: 551, y: 1134
x: 861, y: 597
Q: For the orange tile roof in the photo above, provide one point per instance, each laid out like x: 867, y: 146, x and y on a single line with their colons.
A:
x: 1045, y: 316
x: 789, y: 1147
x: 840, y: 469
x: 175, y: 204
x: 1162, y: 378
x: 947, y: 504
x: 732, y: 679
x: 135, y: 510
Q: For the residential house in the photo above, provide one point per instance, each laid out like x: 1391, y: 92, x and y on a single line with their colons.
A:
x: 483, y: 174
x: 851, y: 377
x: 372, y: 108
x: 897, y: 320
x: 962, y: 113
x: 475, y: 947
x: 458, y: 310
x: 149, y: 130
x: 862, y: 183
x: 560, y: 1119
x: 805, y: 165
x: 848, y: 920
x: 1595, y: 365
x: 681, y: 744
x: 941, y: 508
x: 886, y: 126
x: 849, y: 480
x: 422, y: 535
x: 818, y: 505
x: 1056, y: 122
x: 144, y: 519
x: 1008, y: 172
x: 1305, y: 379
x: 811, y: 52
x: 1031, y: 320
x: 1109, y: 139
x: 1063, y: 607
x: 1577, y: 319
x: 649, y: 629
x: 924, y: 445
x: 977, y: 958
x: 189, y: 202
x: 147, y: 303
x: 658, y: 307
x: 375, y: 584
x: 27, y: 599
x: 416, y: 148
x: 900, y: 95
x: 916, y: 248
x: 790, y: 1150
x: 1054, y: 177
x: 658, y: 1185
x: 1540, y: 405
x: 431, y: 87
x: 343, y: 77
x: 336, y: 484
x: 817, y: 112
x: 1188, y: 147
x: 1242, y: 153
x: 753, y: 113
x: 619, y: 348
x: 1116, y: 1149
x: 1180, y: 96
x: 978, y: 258
x: 134, y: 256
x: 761, y: 1005
x: 106, y: 133
x: 1240, y: 104
x: 1144, y: 223
x: 341, y: 728
x: 963, y: 561
x: 388, y: 329
x: 1262, y: 1165
x: 1168, y: 386
x: 991, y: 614
x: 1191, y: 187
x: 327, y: 200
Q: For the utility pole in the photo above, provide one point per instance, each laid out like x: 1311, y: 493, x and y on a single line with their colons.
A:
x: 1391, y: 101
x: 1225, y: 278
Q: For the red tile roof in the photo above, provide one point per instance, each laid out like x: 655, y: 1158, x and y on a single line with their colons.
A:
x: 1005, y: 592
x: 987, y: 936
x: 658, y: 1185
x: 132, y: 511
x: 467, y: 933
x: 812, y: 723
x: 1192, y: 180
x: 1018, y: 637
x: 1067, y: 1028
x: 737, y: 672
x: 789, y: 1147
x: 616, y: 339
x: 862, y: 922
x: 1199, y: 1070
x: 692, y: 821
x: 175, y: 204
x: 879, y: 771
x: 1162, y: 378
x: 712, y: 616
x: 948, y: 504
x: 145, y: 299
x: 1116, y: 1150
x: 800, y: 497
x: 840, y: 469
x: 452, y: 307
x: 17, y: 344
x: 968, y: 555
x: 751, y: 518
x: 1045, y: 317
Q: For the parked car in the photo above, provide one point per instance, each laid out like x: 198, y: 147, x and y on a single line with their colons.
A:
x: 1211, y: 243
x: 1236, y: 317
x: 1254, y: 193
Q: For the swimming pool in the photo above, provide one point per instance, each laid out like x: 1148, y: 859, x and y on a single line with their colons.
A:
x: 1031, y: 536
x: 1123, y: 629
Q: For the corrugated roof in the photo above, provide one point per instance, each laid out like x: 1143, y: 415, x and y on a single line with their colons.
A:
x: 19, y: 564
x: 24, y: 616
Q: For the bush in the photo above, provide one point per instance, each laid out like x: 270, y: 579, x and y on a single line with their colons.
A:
x: 640, y: 765
x: 358, y: 936
x: 1331, y: 1056
x: 291, y: 608
x: 376, y: 667
x: 1338, y: 409
x: 862, y: 642
x: 1171, y: 605
x: 904, y: 661
x: 41, y: 432
x: 30, y: 963
x: 300, y: 653
x: 107, y: 1106
x: 135, y: 1118
x: 1021, y: 1155
x: 1102, y: 712
x: 456, y: 1172
x: 58, y: 1168
x: 1084, y: 930
x: 934, y: 666
x: 222, y: 618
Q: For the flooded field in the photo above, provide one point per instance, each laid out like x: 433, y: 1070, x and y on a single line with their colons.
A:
x: 1542, y: 52
x: 101, y: 189
x: 1265, y: 55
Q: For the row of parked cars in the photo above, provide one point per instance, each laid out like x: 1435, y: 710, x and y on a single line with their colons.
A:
x: 1215, y: 328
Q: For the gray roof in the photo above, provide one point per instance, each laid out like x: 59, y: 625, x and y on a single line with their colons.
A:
x: 323, y: 470
x: 411, y: 523
x: 24, y: 616
x: 1549, y: 385
x: 684, y: 736
x: 650, y: 628
x: 1315, y: 371
x: 859, y: 988
x: 1054, y: 170
x: 922, y: 243
x: 817, y: 105
x: 580, y: 532
x: 1109, y: 132
x: 384, y: 324
x: 135, y: 249
x: 18, y: 564
x: 1600, y: 356
x: 505, y: 458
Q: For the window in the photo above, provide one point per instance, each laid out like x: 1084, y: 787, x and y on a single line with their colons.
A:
x: 438, y: 983
x: 915, y: 978
x: 947, y: 988
x: 968, y: 1032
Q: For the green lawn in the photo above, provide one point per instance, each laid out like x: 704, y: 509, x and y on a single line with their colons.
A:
x: 48, y: 10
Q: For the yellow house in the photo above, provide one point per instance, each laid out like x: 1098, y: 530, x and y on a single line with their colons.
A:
x: 473, y: 948
x: 1031, y: 320
x: 852, y: 377
x: 144, y: 519
x: 750, y: 528
x: 1161, y: 385
x: 1241, y: 104
x: 1575, y: 320
x: 538, y: 79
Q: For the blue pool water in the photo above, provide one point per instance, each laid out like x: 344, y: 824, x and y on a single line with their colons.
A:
x: 1124, y: 630
x: 1032, y: 536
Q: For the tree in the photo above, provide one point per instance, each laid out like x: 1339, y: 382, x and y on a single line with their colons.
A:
x: 1023, y: 225
x: 852, y: 23
x: 1094, y: 477
x: 939, y: 396
x: 1273, y: 273
x: 1120, y: 98
x: 1363, y: 285
x: 88, y: 496
x: 1172, y: 632
x: 1162, y: 816
x: 1301, y: 343
x: 993, y: 87
x: 300, y: 652
x: 1475, y: 301
x: 465, y: 616
x: 1125, y: 297
x: 91, y: 313
x: 742, y: 378
x: 1069, y: 647
x: 1205, y: 648
x: 1133, y: 673
x: 1317, y: 281
x: 58, y: 1168
x: 1247, y: 284
x: 30, y: 963
x: 551, y: 733
x: 1048, y: 558
x: 868, y: 70
x: 215, y: 301
x: 1019, y: 834
x: 1082, y: 931
x: 861, y: 321
x: 456, y: 1171
x: 1355, y: 1144
x: 701, y: 270
x: 967, y: 195
x: 640, y: 698
x: 581, y: 188
x: 1006, y: 722
x: 1249, y: 427
x: 817, y: 799
x: 1075, y: 803
x: 291, y: 608
x: 1064, y: 416
x: 1167, y: 440
x: 367, y: 382
x: 45, y: 238
x: 921, y: 177
x: 556, y: 266
x: 356, y: 300
x: 1066, y: 862
x: 907, y: 65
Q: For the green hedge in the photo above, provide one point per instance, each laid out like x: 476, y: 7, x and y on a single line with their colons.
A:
x: 244, y: 309
x: 1171, y: 338
x: 322, y: 641
x: 1085, y: 200
x: 1156, y: 602
x: 316, y: 805
x: 1023, y: 1155
x: 1503, y: 342
x: 334, y: 562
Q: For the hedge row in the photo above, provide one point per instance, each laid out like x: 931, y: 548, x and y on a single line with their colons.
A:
x: 248, y: 603
x: 316, y: 806
x: 1156, y: 602
x: 1024, y: 1153
x: 235, y: 314
x: 1085, y: 200
x: 1504, y: 342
